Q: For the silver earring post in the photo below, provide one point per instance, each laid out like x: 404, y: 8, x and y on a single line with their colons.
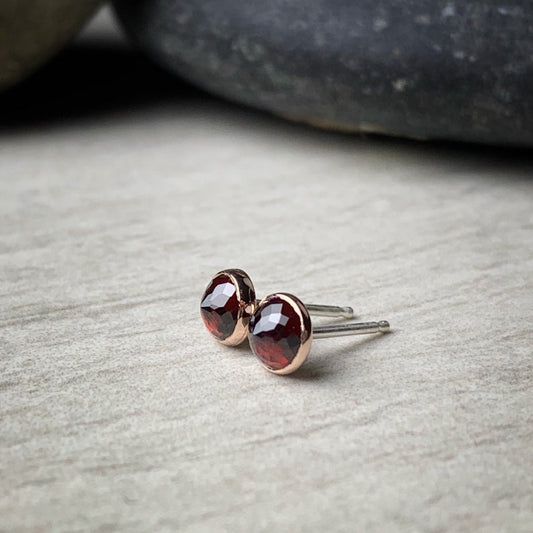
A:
x: 357, y: 328
x: 333, y: 311
x: 330, y: 310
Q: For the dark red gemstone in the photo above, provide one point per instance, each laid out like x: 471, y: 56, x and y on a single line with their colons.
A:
x: 276, y: 333
x: 220, y: 307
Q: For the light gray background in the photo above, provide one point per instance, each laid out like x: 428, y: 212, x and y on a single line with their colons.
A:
x: 119, y: 413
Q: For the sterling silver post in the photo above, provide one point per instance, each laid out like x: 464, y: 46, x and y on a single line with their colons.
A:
x: 354, y: 328
x: 329, y: 310
x: 334, y: 311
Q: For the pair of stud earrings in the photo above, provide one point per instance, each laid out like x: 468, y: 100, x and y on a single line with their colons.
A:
x: 278, y: 327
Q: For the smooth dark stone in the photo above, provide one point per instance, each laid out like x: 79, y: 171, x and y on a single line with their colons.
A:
x: 31, y: 32
x: 220, y: 306
x: 275, y: 333
x: 427, y: 69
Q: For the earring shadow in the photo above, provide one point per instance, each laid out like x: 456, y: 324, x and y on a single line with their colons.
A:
x: 240, y: 349
x: 322, y: 369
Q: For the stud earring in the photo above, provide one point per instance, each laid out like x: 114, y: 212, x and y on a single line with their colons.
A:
x: 280, y: 332
x: 229, y: 302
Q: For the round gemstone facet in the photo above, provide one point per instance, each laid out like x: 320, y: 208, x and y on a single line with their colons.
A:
x: 277, y: 331
x: 220, y: 306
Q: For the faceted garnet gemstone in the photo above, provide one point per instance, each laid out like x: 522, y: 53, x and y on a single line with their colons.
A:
x: 276, y: 333
x: 220, y: 307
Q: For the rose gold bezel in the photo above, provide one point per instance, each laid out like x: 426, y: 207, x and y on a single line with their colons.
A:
x: 306, y: 332
x: 246, y: 296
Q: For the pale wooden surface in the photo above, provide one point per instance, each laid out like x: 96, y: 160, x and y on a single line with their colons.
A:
x: 119, y: 413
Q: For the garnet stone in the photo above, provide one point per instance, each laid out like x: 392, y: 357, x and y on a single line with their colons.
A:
x: 226, y: 305
x: 220, y: 306
x: 278, y: 329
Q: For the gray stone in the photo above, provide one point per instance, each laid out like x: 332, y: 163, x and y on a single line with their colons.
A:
x: 429, y: 69
x: 31, y: 32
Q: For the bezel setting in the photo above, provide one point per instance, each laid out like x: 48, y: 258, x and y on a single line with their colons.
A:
x: 245, y: 294
x: 305, y: 332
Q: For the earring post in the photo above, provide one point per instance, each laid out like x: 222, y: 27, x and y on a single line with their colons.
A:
x: 358, y: 328
x: 329, y: 310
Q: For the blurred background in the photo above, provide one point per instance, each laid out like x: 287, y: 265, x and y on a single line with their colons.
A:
x: 431, y: 70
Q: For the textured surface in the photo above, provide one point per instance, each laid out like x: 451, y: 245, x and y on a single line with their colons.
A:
x: 437, y: 69
x: 119, y: 412
x: 31, y: 32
